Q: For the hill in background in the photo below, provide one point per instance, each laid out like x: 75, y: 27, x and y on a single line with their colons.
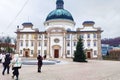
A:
x: 111, y: 41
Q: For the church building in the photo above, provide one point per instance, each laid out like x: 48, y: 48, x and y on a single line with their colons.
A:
x: 60, y: 37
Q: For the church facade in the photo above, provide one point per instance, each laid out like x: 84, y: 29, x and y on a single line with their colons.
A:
x: 60, y: 37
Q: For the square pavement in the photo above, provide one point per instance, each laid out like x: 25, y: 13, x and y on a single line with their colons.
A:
x: 93, y: 70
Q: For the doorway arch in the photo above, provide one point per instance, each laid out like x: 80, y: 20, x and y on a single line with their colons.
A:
x: 26, y: 52
x: 56, y: 51
x: 89, y: 55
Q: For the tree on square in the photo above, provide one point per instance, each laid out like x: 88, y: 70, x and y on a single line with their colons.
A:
x: 79, y: 54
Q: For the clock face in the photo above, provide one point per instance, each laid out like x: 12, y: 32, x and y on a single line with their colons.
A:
x: 56, y: 40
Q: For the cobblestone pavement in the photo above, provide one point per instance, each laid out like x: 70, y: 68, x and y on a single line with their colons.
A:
x: 93, y: 70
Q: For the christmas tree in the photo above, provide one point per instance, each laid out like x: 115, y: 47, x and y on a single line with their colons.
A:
x: 79, y: 54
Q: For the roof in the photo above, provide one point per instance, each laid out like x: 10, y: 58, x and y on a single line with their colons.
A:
x: 59, y: 14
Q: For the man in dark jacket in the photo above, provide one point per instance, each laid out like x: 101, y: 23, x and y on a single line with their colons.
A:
x: 6, y: 63
x: 39, y: 58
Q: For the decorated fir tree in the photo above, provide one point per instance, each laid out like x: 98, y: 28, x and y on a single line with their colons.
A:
x: 79, y: 55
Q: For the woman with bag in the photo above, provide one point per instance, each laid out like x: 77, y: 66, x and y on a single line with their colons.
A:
x: 1, y: 57
x: 16, y: 65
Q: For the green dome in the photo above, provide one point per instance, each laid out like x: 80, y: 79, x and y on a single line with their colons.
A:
x: 59, y: 14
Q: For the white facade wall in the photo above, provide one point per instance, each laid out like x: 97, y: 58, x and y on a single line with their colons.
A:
x: 62, y: 35
x: 67, y: 24
x: 91, y: 40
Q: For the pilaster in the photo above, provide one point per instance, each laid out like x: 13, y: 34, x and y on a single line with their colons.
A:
x: 64, y: 47
x: 35, y: 45
x: 48, y: 46
x: 99, y: 46
x: 18, y: 43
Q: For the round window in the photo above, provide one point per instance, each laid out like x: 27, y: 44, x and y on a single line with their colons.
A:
x: 56, y: 40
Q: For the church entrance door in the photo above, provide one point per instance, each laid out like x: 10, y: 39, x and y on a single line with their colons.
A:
x: 26, y: 54
x: 56, y: 53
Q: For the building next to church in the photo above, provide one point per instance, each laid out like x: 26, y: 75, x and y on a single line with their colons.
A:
x: 60, y: 37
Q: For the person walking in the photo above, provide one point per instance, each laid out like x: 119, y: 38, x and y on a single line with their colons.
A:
x: 1, y: 57
x: 6, y: 63
x: 39, y: 58
x: 16, y: 65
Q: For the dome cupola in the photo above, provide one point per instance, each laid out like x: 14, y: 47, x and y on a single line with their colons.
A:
x: 59, y: 12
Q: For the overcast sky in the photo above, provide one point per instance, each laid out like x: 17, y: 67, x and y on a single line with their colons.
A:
x: 105, y: 14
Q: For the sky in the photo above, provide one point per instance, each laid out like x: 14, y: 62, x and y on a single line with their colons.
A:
x: 105, y: 14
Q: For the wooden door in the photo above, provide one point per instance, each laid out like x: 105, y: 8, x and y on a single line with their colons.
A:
x: 88, y: 55
x: 26, y: 54
x: 56, y: 53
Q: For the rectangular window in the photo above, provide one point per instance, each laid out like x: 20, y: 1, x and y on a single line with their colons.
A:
x: 68, y: 36
x: 88, y: 43
x: 45, y: 36
x: 82, y: 36
x: 31, y: 43
x: 45, y: 51
x: 68, y: 52
x: 68, y: 43
x: 73, y: 52
x: 94, y: 35
x: 75, y: 43
x: 45, y: 43
x: 20, y: 51
x: 94, y: 43
x: 31, y: 51
x: 95, y: 53
x: 39, y: 43
x: 88, y: 35
x: 26, y: 43
x: 21, y: 43
x: 38, y: 51
x: 39, y: 36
